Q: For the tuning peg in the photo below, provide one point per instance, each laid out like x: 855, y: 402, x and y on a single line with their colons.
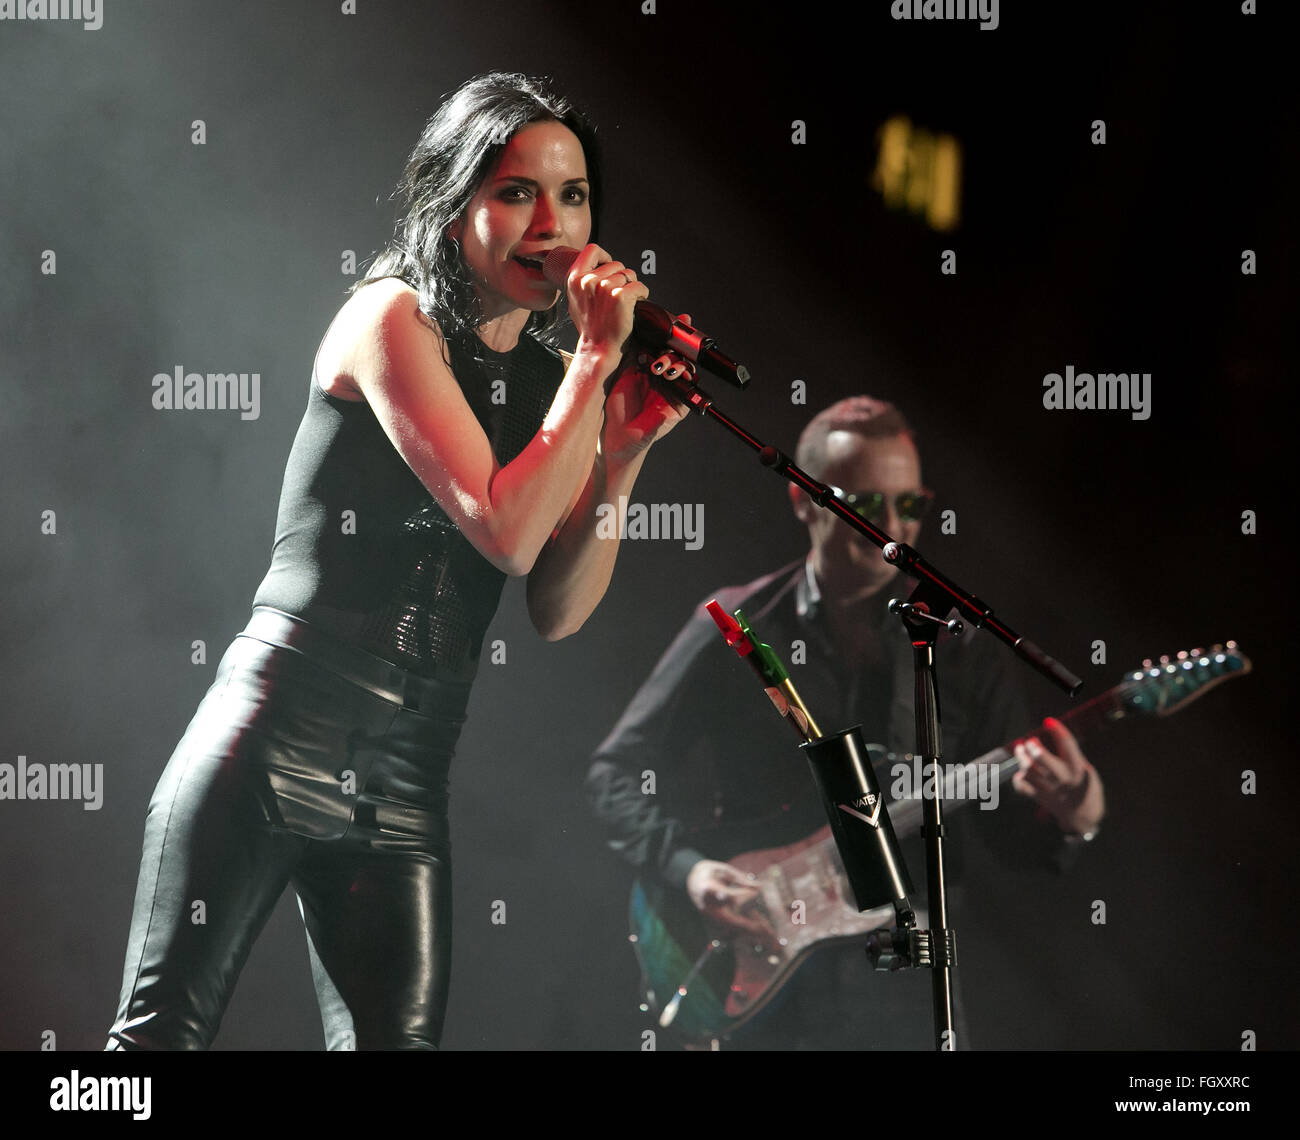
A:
x: 1146, y: 662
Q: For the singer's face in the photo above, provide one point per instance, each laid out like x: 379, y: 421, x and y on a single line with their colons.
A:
x: 535, y: 198
x: 850, y: 567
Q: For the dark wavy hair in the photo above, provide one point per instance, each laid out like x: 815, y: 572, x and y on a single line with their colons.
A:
x: 456, y: 149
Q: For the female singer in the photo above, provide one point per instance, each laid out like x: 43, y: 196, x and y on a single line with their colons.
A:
x: 444, y: 447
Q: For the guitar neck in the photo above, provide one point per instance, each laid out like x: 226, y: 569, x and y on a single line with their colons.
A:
x: 1154, y: 690
x: 906, y: 815
x: 1082, y: 722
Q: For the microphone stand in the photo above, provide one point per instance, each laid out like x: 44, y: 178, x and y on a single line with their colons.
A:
x: 923, y: 628
x: 922, y: 616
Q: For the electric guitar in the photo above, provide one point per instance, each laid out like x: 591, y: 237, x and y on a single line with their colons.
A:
x: 704, y: 983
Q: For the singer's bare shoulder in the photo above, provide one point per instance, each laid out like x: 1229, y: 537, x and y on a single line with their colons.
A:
x: 364, y: 328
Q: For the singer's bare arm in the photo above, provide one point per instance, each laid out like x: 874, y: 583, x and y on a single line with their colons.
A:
x: 508, y: 513
x: 574, y: 569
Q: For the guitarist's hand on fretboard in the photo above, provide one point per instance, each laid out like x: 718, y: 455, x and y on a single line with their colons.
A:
x: 729, y: 902
x: 1060, y: 778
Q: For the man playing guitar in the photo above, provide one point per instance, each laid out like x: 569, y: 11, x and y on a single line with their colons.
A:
x: 697, y: 770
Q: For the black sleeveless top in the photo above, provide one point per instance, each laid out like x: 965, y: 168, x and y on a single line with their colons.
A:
x: 363, y: 551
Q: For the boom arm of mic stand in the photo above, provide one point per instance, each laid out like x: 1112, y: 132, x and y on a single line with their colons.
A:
x: 901, y: 555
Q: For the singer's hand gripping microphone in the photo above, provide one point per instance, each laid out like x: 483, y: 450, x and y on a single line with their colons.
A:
x: 656, y: 328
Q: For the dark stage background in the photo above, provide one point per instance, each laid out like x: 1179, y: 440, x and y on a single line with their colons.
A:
x: 1077, y: 526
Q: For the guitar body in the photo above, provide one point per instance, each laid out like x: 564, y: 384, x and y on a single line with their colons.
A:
x: 803, y: 890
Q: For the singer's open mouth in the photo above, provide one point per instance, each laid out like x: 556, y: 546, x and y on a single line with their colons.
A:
x: 533, y: 263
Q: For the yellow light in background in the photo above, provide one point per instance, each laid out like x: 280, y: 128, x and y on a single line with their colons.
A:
x: 945, y: 200
x: 919, y: 171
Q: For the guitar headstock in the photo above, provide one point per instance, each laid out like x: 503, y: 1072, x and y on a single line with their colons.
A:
x: 1162, y: 687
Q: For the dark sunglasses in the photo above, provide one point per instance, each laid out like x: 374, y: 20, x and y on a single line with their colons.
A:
x: 910, y: 505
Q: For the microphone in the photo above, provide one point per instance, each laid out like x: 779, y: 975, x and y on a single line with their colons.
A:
x: 655, y: 327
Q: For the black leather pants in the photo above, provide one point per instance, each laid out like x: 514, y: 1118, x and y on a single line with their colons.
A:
x: 312, y: 763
